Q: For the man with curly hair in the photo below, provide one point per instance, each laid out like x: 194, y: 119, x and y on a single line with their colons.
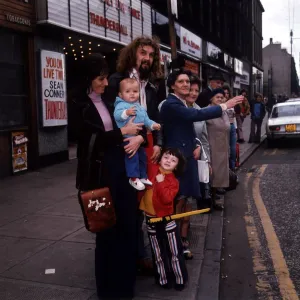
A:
x: 141, y: 60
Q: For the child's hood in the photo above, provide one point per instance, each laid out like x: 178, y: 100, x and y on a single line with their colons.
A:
x: 119, y: 100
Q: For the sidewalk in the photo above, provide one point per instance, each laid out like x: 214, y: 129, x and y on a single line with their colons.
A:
x: 41, y: 228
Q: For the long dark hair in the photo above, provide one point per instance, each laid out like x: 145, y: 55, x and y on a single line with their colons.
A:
x: 127, y: 57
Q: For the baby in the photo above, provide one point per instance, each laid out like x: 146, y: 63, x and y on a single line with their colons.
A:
x: 127, y: 105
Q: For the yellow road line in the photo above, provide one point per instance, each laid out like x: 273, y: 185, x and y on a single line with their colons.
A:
x: 259, y: 265
x: 286, y: 286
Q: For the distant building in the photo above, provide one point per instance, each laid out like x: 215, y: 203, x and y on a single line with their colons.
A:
x: 280, y: 76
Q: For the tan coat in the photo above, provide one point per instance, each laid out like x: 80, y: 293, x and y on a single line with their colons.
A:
x: 218, y: 137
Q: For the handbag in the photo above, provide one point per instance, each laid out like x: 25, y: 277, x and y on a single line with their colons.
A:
x: 203, y: 168
x: 96, y: 205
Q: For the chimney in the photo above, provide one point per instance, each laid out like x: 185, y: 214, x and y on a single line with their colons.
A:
x: 271, y: 40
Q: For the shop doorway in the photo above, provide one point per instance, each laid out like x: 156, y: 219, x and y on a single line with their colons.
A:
x: 77, y: 48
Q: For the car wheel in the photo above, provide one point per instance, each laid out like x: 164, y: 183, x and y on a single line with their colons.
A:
x: 271, y: 143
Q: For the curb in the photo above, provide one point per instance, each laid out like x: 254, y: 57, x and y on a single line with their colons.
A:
x: 251, y: 151
x: 209, y: 280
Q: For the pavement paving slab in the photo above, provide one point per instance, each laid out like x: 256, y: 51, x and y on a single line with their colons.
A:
x: 42, y: 227
x: 11, y: 289
x: 15, y: 250
x: 73, y: 264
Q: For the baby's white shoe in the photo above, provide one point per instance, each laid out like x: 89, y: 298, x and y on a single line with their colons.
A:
x: 146, y: 181
x: 137, y: 184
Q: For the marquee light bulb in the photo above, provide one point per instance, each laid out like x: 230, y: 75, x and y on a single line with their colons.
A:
x: 66, y: 53
x: 80, y: 40
x: 69, y: 37
x: 64, y: 48
x: 80, y: 46
x: 90, y: 42
x: 90, y: 49
x: 81, y: 51
x: 98, y: 45
x: 73, y: 50
x: 82, y: 56
x: 114, y: 49
x: 71, y: 44
x: 75, y: 58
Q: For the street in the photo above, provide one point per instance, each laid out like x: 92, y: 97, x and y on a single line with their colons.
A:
x: 261, y: 237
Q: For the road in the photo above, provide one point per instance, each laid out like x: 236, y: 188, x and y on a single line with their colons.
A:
x: 261, y: 238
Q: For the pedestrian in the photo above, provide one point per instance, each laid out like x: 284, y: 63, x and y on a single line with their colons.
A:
x: 258, y: 112
x: 127, y: 106
x: 218, y: 136
x: 141, y: 60
x: 241, y: 112
x: 179, y: 132
x: 215, y: 81
x: 233, y: 127
x: 115, y: 253
x: 164, y: 237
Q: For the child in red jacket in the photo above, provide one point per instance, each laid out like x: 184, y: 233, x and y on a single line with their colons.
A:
x: 158, y: 201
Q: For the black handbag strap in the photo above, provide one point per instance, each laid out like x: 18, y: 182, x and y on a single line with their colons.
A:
x: 89, y: 158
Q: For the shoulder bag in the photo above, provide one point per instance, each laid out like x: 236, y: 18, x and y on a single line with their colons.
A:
x: 96, y: 205
x: 203, y: 168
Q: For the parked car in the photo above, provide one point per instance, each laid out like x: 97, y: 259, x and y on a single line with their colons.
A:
x: 293, y: 100
x: 284, y: 122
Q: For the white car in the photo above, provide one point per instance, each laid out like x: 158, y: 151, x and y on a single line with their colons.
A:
x: 284, y: 122
x: 293, y: 100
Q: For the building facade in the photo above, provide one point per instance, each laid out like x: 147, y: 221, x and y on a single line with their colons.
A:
x: 17, y: 23
x: 36, y: 120
x: 231, y: 33
x: 280, y: 76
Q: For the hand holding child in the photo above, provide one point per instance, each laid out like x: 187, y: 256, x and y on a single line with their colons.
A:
x: 160, y: 178
x: 156, y: 126
x: 131, y: 111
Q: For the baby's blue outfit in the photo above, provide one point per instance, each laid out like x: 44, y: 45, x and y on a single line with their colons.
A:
x: 141, y: 114
x: 136, y: 166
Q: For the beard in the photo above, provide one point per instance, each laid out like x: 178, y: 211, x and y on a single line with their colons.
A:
x: 145, y: 70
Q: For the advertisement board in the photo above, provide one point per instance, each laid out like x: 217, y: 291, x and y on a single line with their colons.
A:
x: 19, y: 142
x: 190, y: 43
x: 53, y: 89
x: 117, y: 20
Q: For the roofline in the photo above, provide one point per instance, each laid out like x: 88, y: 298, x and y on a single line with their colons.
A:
x: 263, y: 10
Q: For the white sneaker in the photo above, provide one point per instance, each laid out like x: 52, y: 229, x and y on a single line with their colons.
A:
x: 137, y: 184
x: 146, y: 181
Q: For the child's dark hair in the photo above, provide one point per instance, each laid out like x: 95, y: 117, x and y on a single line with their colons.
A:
x: 181, y: 159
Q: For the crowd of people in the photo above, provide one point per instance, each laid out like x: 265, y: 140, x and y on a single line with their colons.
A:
x: 146, y: 152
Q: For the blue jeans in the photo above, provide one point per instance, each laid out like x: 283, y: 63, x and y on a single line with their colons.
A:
x: 136, y: 166
x: 232, y: 143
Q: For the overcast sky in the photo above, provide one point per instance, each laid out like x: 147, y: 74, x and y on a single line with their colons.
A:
x: 278, y: 19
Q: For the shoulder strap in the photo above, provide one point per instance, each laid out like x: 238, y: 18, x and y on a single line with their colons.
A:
x: 89, y: 156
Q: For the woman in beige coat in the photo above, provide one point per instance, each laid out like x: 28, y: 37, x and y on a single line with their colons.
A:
x: 218, y: 137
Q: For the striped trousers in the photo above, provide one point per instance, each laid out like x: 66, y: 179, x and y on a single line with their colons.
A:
x: 167, y: 253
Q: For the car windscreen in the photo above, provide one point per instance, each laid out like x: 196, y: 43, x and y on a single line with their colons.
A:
x: 286, y: 111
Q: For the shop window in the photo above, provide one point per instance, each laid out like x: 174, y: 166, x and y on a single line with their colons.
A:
x: 13, y: 87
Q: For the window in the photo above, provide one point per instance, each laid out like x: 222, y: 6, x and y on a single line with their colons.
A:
x: 13, y: 87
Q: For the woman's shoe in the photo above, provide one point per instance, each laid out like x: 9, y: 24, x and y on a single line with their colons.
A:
x: 179, y: 287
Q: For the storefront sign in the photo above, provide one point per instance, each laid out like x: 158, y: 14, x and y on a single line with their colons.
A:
x: 19, y: 142
x: 245, y: 78
x: 238, y: 66
x: 54, y: 98
x: 190, y: 43
x: 165, y: 56
x: 237, y: 82
x: 228, y: 61
x: 191, y: 66
x: 118, y: 20
x: 17, y: 19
